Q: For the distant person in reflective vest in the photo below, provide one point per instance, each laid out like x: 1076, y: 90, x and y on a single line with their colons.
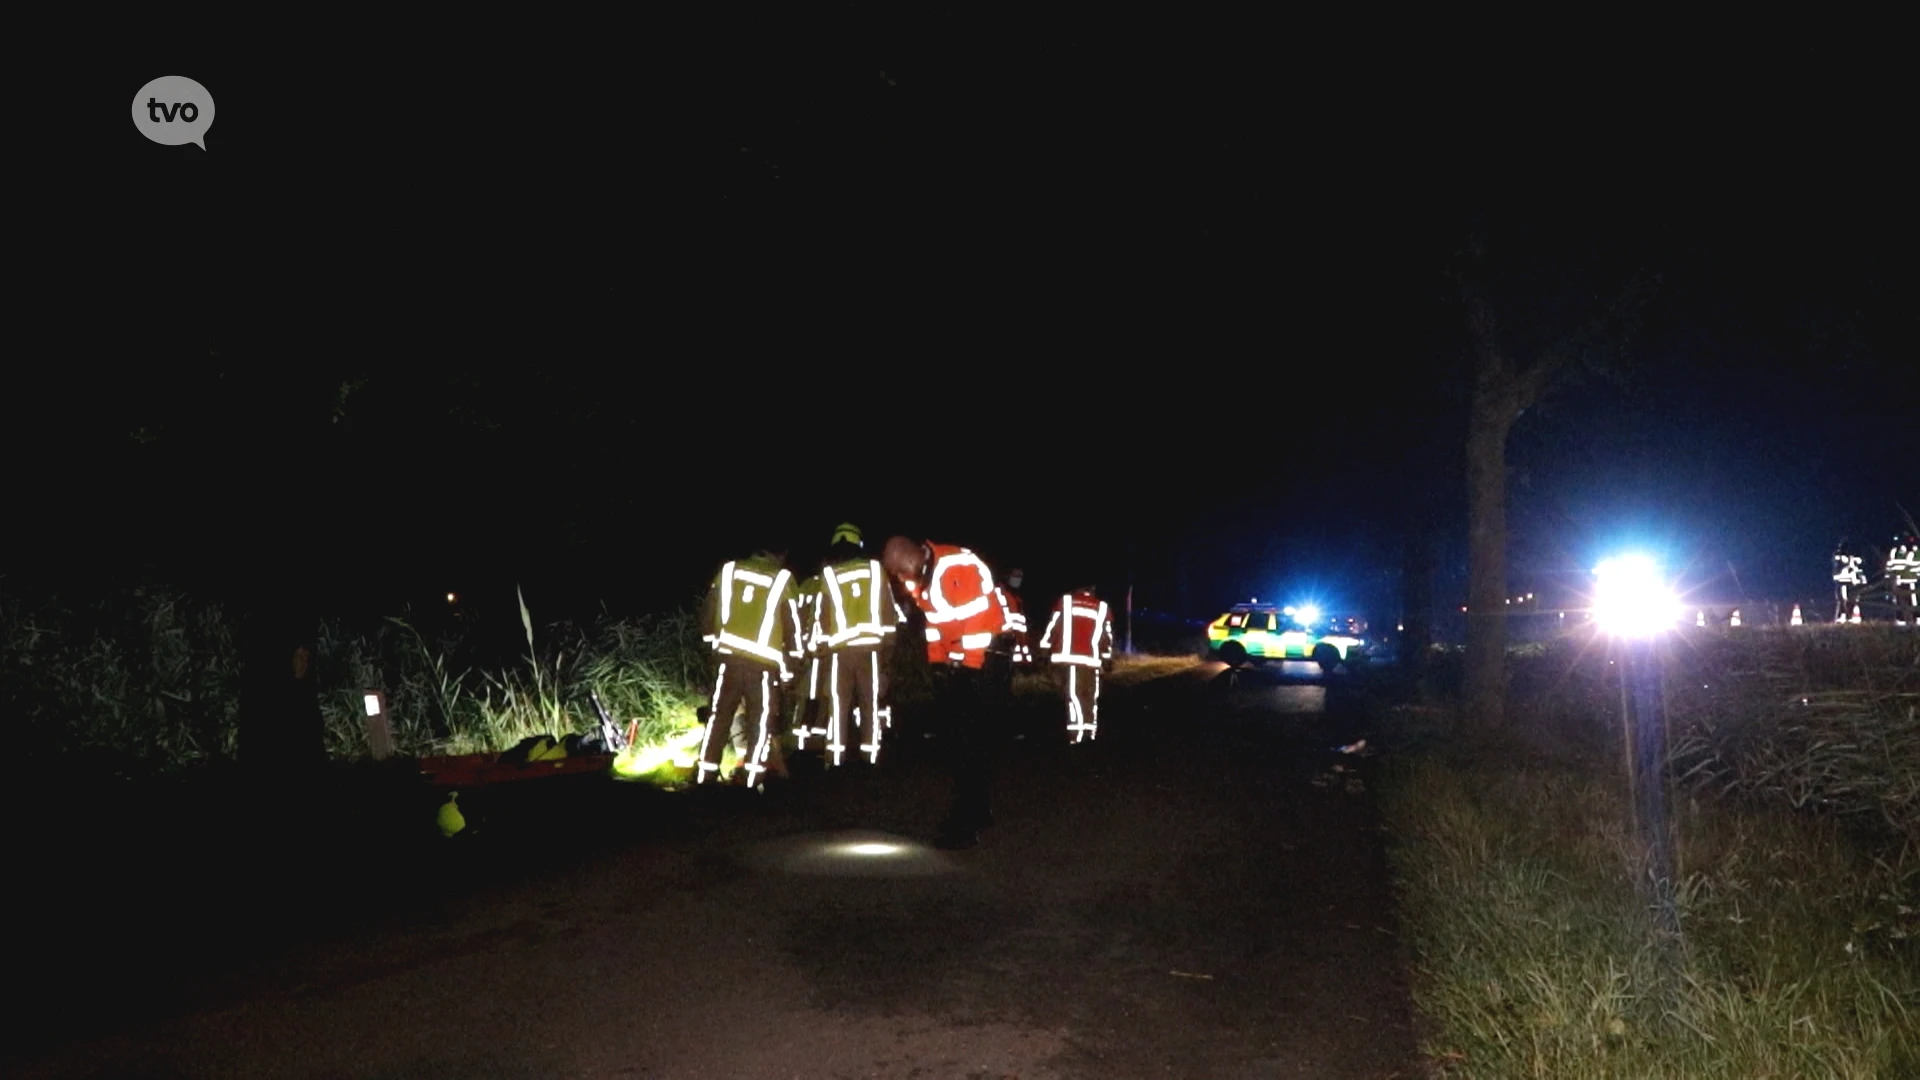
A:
x: 1012, y: 650
x: 1079, y: 641
x: 1903, y: 580
x: 750, y: 622
x: 1848, y: 576
x: 858, y: 613
x: 807, y: 720
x: 954, y: 589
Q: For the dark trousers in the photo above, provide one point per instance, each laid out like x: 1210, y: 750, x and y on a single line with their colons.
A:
x: 997, y: 680
x: 809, y: 708
x: 1079, y: 686
x: 854, y: 682
x: 967, y: 730
x: 740, y: 681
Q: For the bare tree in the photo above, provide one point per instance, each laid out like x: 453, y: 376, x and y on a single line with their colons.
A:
x: 1511, y: 375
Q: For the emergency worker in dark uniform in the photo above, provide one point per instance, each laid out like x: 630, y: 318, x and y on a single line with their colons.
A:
x: 954, y: 589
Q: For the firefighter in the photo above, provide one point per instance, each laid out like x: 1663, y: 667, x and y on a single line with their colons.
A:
x: 1903, y: 579
x: 807, y: 722
x: 954, y: 589
x: 1016, y: 609
x: 751, y: 625
x: 1079, y: 641
x: 858, y: 613
x: 1848, y: 576
x: 1012, y: 650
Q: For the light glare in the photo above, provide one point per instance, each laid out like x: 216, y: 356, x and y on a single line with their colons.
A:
x: 873, y: 849
x: 1631, y: 600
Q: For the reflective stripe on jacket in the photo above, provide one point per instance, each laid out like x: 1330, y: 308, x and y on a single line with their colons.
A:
x: 806, y: 614
x: 1904, y: 564
x: 856, y: 606
x: 750, y: 611
x: 1017, y: 620
x: 963, y: 609
x: 1080, y: 631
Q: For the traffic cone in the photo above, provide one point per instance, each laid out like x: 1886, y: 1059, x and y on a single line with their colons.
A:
x: 1735, y: 621
x: 1796, y: 616
x: 1700, y: 619
x: 1856, y: 615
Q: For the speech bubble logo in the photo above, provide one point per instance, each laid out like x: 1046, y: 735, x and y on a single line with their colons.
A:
x: 173, y: 110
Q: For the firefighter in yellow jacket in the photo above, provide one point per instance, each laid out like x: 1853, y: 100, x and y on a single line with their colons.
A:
x: 751, y: 623
x: 808, y: 723
x: 858, y: 614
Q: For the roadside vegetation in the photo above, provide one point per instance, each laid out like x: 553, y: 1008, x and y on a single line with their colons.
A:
x: 1795, y: 766
x: 149, y: 681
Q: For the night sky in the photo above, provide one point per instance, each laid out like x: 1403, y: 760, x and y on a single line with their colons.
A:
x: 627, y: 302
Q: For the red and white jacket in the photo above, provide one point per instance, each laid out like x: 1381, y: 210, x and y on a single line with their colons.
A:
x: 1080, y: 632
x: 964, y: 610
x: 1022, y: 647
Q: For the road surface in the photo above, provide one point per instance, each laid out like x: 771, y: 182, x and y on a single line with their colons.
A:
x: 1198, y: 894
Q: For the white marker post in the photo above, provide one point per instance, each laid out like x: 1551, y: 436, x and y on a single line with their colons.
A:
x: 379, y: 732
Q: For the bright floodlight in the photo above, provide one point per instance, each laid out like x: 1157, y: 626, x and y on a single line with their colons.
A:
x: 1309, y: 615
x: 872, y: 849
x: 1631, y: 600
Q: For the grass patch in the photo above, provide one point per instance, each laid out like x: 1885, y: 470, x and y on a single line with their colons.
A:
x: 1133, y: 670
x: 150, y: 682
x: 1799, y: 877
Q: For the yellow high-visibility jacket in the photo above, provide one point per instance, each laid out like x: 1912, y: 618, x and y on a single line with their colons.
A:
x: 749, y: 612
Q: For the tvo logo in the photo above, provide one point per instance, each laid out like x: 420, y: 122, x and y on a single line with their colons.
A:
x: 173, y: 110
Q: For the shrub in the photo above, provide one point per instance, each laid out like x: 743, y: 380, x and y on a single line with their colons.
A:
x: 151, y: 680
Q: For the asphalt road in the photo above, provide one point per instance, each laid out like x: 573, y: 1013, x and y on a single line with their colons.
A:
x: 1198, y: 894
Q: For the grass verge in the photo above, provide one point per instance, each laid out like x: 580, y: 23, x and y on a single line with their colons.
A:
x: 1517, y: 867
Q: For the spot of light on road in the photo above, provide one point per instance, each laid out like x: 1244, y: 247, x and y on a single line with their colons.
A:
x: 863, y: 853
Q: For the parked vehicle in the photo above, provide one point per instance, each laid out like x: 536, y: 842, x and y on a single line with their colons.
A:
x: 1258, y: 633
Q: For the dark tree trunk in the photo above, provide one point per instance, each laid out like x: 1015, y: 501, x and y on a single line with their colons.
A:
x: 1486, y: 660
x: 1416, y: 594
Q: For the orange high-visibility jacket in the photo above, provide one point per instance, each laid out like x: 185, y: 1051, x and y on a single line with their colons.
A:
x: 964, y: 611
x: 1080, y: 632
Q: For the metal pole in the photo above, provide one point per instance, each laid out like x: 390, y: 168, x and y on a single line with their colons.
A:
x: 1647, y: 727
